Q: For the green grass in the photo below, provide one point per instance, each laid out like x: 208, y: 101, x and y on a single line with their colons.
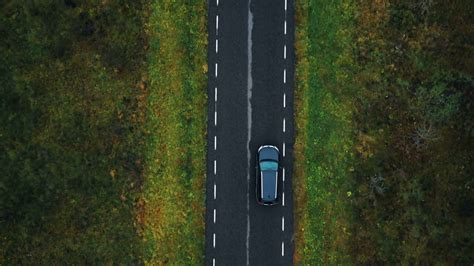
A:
x: 324, y: 131
x: 173, y: 196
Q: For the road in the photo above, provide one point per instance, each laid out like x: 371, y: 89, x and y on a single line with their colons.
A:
x: 251, y: 69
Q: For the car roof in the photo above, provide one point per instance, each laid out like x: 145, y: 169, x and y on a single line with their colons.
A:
x: 269, y: 185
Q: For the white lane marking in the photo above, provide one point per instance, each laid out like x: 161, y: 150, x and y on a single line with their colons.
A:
x: 215, y: 142
x: 215, y: 166
x: 284, y: 126
x: 215, y: 216
x: 285, y: 27
x: 214, y: 240
x: 217, y: 22
x: 283, y: 174
x: 283, y: 199
x: 284, y: 52
x: 284, y: 148
x: 217, y: 46
x: 215, y: 118
x: 284, y: 75
x: 215, y: 72
x: 282, y: 222
x: 215, y: 187
x: 213, y: 262
x: 217, y: 2
x: 284, y: 99
x: 285, y: 4
x: 215, y: 94
x: 282, y: 248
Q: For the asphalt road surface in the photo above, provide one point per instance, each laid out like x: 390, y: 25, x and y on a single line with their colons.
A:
x: 251, y: 69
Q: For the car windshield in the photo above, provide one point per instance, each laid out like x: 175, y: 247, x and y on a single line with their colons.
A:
x: 268, y: 166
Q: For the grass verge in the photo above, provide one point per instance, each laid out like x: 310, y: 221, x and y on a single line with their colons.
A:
x: 324, y: 131
x: 173, y: 199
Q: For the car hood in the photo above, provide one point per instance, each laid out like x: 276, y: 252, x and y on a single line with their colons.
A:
x: 268, y: 153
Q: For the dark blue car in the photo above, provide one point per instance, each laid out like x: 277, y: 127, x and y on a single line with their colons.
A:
x: 267, y: 174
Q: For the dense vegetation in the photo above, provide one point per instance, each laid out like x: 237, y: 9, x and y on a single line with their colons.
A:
x: 70, y: 131
x: 86, y: 89
x: 385, y: 92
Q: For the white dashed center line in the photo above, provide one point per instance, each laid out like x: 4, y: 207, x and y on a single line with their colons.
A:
x: 215, y: 136
x: 284, y: 130
x: 214, y: 190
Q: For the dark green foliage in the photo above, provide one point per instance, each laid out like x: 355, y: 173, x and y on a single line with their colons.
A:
x: 415, y: 108
x: 69, y: 135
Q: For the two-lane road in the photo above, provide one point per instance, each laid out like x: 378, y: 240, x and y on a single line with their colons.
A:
x: 250, y: 91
